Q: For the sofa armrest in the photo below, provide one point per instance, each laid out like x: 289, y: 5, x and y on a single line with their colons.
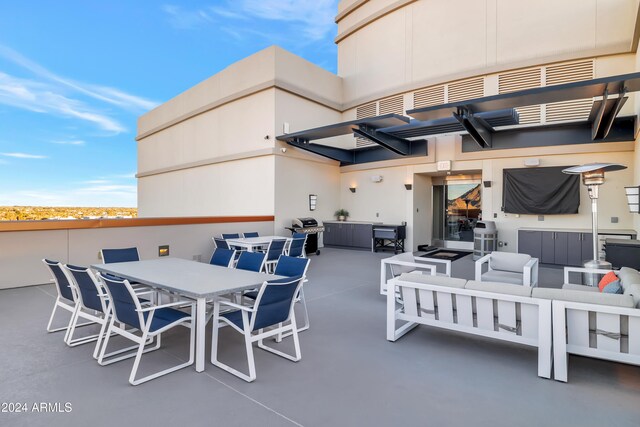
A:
x: 569, y: 270
x: 479, y: 262
x: 530, y: 273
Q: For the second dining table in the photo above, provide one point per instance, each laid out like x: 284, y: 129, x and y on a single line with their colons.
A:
x: 253, y: 243
x: 191, y: 279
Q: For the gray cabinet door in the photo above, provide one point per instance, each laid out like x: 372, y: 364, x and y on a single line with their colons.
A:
x: 560, y: 248
x: 362, y: 234
x: 346, y: 235
x: 587, y: 247
x: 574, y: 249
x: 548, y: 255
x: 530, y: 242
x: 330, y: 234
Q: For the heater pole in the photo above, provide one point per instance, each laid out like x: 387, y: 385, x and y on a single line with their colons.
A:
x: 594, y: 220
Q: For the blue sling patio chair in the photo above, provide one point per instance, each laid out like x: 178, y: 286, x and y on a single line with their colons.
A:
x: 110, y: 256
x: 273, y: 309
x: 291, y: 267
x: 93, y: 304
x: 151, y: 321
x: 275, y: 249
x: 222, y: 257
x: 66, y: 299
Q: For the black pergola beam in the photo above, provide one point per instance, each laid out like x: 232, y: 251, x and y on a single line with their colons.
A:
x: 346, y: 157
x: 604, y: 113
x: 476, y: 127
x: 623, y: 129
x: 397, y: 145
x: 541, y: 95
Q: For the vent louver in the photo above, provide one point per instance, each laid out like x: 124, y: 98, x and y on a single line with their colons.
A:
x: 466, y: 89
x: 521, y: 80
x: 393, y: 105
x: 427, y: 97
x: 362, y: 112
x: 567, y: 73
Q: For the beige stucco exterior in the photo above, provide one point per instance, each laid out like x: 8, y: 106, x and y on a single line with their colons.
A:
x: 212, y: 149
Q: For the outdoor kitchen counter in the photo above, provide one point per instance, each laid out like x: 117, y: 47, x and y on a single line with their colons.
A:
x: 349, y: 234
x: 351, y: 222
x: 582, y: 230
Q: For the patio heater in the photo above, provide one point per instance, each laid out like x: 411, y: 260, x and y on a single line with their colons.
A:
x: 593, y: 177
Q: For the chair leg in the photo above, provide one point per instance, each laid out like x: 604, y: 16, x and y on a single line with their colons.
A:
x: 101, y: 333
x: 248, y: 345
x: 103, y: 354
x: 73, y: 324
x: 301, y: 299
x: 53, y: 313
x: 68, y: 328
x: 296, y: 342
x: 136, y: 362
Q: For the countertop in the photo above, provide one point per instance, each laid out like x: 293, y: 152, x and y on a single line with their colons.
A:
x: 582, y: 230
x: 334, y: 221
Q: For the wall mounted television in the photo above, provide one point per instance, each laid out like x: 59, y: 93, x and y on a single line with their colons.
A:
x: 540, y: 191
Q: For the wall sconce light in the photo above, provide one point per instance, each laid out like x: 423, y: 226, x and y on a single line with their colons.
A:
x: 313, y: 198
x: 633, y: 198
x: 408, y: 186
x: 352, y: 189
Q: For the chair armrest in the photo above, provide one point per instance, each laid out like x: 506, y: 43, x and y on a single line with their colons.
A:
x: 168, y: 305
x: 234, y: 305
x: 446, y: 262
x: 479, y: 262
x: 568, y: 270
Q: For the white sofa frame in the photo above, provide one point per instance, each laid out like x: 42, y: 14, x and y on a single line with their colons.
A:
x: 572, y: 333
x: 419, y: 308
x: 420, y: 264
x: 530, y: 270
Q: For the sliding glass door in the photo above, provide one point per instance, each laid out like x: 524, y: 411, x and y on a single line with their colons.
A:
x: 457, y: 206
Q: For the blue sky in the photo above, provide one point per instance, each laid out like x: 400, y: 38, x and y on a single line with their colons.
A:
x: 75, y: 75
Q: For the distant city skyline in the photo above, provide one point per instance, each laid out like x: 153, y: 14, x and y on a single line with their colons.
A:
x: 75, y: 76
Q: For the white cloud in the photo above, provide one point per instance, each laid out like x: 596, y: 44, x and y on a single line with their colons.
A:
x: 42, y: 98
x: 186, y: 19
x: 69, y: 142
x: 316, y: 17
x: 313, y: 19
x: 103, y: 93
x: 23, y: 155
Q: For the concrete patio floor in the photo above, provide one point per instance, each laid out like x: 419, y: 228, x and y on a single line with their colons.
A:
x: 349, y: 375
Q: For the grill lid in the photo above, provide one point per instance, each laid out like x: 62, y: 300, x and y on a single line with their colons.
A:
x: 304, y: 222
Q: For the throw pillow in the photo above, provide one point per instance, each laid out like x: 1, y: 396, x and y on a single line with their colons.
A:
x: 613, y: 288
x: 608, y: 278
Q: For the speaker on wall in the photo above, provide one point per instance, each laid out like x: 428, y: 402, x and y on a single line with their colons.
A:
x: 487, y: 184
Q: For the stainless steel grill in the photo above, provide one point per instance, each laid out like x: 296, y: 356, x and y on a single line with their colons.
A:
x: 310, y: 227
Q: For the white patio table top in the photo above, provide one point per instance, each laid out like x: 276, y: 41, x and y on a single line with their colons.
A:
x: 250, y: 243
x: 192, y: 279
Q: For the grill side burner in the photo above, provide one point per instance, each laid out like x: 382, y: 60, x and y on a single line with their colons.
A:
x: 310, y: 227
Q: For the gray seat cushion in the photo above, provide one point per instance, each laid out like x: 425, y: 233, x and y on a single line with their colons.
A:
x: 507, y: 261
x: 499, y: 288
x: 628, y: 276
x: 633, y: 290
x: 503, y: 277
x: 584, y: 297
x: 575, y: 287
x: 428, y: 279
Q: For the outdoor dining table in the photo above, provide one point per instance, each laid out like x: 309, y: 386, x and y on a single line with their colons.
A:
x: 252, y: 243
x: 190, y: 279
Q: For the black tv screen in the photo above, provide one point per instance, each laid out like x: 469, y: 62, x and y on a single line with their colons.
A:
x: 540, y: 191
